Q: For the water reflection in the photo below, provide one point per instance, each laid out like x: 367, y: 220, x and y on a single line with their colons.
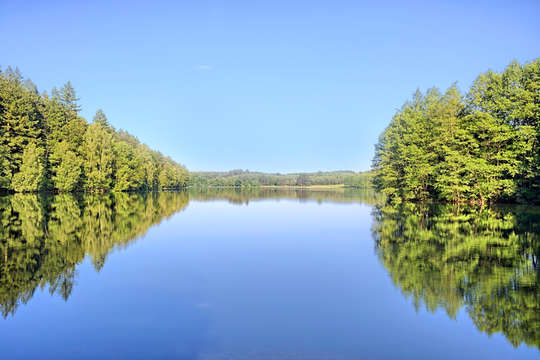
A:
x: 485, y: 260
x: 242, y: 196
x: 44, y: 238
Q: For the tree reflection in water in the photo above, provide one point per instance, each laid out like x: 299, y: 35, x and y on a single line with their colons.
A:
x: 44, y: 238
x: 482, y: 259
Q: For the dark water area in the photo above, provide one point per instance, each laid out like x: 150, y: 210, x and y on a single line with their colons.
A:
x: 266, y: 274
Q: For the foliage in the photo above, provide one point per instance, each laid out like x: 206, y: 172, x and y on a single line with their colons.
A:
x: 97, y: 151
x: 481, y: 147
x: 46, y: 145
x: 30, y: 175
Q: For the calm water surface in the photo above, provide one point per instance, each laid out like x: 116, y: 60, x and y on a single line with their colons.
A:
x: 265, y: 274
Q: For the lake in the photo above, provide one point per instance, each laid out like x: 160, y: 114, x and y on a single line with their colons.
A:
x: 266, y: 274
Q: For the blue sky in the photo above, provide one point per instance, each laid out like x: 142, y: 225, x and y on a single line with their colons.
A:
x: 261, y: 85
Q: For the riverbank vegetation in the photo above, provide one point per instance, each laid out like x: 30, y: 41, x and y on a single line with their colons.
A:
x: 46, y: 145
x: 482, y: 146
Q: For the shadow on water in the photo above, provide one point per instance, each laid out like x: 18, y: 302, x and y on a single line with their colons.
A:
x: 482, y: 260
x: 444, y: 257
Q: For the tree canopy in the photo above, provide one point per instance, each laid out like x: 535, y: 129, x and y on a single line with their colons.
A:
x: 46, y: 145
x: 480, y: 147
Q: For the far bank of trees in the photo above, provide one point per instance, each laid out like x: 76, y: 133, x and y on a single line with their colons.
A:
x: 246, y: 178
x: 46, y: 145
x: 481, y: 147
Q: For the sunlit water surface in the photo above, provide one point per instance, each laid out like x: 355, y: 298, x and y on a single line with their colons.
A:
x: 265, y: 274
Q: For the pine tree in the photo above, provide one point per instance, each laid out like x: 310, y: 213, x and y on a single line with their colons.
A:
x: 101, y: 119
x: 20, y: 120
x: 68, y: 97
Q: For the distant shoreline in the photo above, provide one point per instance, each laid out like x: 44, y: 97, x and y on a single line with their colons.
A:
x: 336, y: 186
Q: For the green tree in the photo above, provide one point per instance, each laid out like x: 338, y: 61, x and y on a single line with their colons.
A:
x: 451, y: 143
x: 129, y: 172
x: 481, y: 148
x: 98, y: 155
x: 68, y: 97
x: 68, y: 173
x: 504, y: 116
x: 20, y: 122
x: 72, y: 154
x: 31, y: 174
x: 101, y: 119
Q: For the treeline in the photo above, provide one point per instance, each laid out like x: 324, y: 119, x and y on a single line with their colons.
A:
x: 43, y: 238
x: 246, y: 178
x: 363, y: 180
x: 454, y: 256
x: 46, y: 145
x: 480, y: 147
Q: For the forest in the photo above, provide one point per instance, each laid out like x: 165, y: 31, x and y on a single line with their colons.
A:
x: 246, y: 178
x: 46, y: 146
x: 478, y: 147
